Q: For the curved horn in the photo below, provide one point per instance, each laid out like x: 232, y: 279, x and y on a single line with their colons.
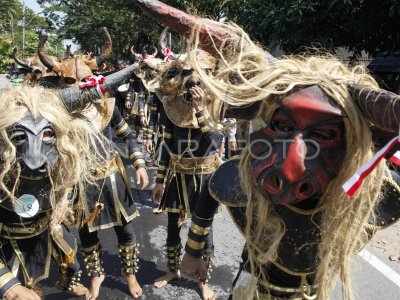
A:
x: 75, y: 98
x: 136, y: 55
x: 20, y: 62
x: 155, y: 52
x: 107, y: 49
x: 161, y: 43
x: 183, y: 24
x: 46, y: 60
x: 379, y: 106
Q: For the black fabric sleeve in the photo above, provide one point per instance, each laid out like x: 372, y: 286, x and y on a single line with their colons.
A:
x: 154, y: 110
x: 165, y: 150
x: 124, y: 132
x: 211, y: 132
x: 130, y: 96
x: 141, y: 104
x: 203, y: 216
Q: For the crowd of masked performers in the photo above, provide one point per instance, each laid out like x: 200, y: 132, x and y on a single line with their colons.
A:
x: 312, y: 185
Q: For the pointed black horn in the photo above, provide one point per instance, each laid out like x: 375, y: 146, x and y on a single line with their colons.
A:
x: 75, y: 98
x: 380, y: 107
x: 46, y: 60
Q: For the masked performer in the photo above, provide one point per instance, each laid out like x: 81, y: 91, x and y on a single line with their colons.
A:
x: 189, y: 154
x: 110, y: 202
x: 47, y: 157
x: 311, y: 132
x: 149, y: 71
x: 138, y: 96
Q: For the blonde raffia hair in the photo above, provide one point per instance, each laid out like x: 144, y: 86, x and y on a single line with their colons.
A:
x: 80, y: 148
x: 245, y: 76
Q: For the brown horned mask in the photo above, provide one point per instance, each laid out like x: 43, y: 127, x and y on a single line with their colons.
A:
x: 74, y: 69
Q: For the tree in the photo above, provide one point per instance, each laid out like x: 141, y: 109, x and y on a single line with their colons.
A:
x: 290, y: 24
x: 82, y: 20
x: 11, y: 31
x: 294, y: 24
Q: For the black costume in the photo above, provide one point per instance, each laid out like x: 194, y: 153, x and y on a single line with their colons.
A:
x: 28, y: 244
x: 27, y: 240
x: 155, y: 128
x: 189, y: 154
x: 136, y: 96
x: 292, y: 273
x: 110, y: 203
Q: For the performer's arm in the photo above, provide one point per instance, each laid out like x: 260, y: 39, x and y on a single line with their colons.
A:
x: 210, y: 131
x: 141, y: 104
x: 202, y: 219
x: 167, y: 145
x: 153, y: 107
x: 124, y: 132
x: 7, y: 281
x: 130, y: 96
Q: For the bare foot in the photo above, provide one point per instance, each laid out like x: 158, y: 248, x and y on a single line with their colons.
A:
x: 94, y: 289
x: 133, y: 285
x: 157, y: 210
x: 206, y: 292
x: 78, y: 290
x: 163, y: 281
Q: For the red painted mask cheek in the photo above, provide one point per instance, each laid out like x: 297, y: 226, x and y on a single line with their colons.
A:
x: 261, y: 152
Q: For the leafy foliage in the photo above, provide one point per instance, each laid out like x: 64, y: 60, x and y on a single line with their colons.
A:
x: 290, y: 24
x: 11, y: 23
x: 294, y: 24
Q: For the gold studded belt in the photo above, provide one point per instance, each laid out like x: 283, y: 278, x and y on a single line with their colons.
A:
x: 110, y: 167
x: 24, y: 230
x: 194, y: 165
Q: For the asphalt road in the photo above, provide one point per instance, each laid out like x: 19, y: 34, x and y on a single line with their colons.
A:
x: 150, y: 230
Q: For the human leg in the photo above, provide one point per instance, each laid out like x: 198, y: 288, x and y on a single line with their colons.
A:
x: 174, y: 248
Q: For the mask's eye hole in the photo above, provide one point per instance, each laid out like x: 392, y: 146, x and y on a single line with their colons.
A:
x: 323, y: 134
x: 48, y: 136
x: 186, y: 73
x: 282, y: 126
x: 18, y: 137
x: 171, y: 73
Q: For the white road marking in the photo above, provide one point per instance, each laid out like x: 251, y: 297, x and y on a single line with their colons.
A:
x: 388, y: 272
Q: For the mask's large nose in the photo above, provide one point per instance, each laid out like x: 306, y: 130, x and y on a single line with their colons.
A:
x: 33, y: 156
x: 293, y: 168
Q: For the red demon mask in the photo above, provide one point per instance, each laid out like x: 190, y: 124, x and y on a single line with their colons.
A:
x: 300, y: 151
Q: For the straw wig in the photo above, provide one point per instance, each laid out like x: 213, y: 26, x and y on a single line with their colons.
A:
x: 78, y: 144
x: 260, y: 81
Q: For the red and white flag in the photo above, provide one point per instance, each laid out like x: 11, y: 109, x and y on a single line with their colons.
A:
x: 351, y: 186
x: 396, y: 158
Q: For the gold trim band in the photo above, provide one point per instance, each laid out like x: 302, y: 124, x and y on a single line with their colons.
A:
x: 199, y: 230
x: 6, y: 278
x: 195, y: 245
x: 122, y: 129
